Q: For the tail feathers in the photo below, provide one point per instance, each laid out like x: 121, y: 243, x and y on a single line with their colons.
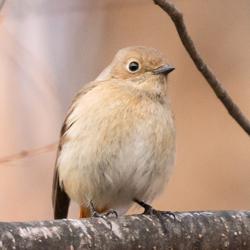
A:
x: 61, y: 205
x: 60, y: 200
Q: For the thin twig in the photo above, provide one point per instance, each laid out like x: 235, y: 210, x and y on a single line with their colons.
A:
x: 28, y: 153
x: 217, y: 87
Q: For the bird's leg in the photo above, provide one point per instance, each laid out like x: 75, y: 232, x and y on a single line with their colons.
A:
x: 94, y: 212
x: 149, y: 210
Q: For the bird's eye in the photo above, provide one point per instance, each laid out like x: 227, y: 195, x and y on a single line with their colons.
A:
x: 133, y: 66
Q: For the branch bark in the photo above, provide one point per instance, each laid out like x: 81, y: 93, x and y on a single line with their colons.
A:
x: 217, y: 87
x: 188, y: 230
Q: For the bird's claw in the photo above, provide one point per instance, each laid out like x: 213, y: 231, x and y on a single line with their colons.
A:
x: 149, y: 210
x: 111, y: 213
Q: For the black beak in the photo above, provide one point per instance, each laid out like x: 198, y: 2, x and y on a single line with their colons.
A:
x: 164, y: 69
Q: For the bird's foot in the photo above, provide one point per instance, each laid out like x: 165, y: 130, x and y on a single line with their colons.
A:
x: 149, y: 210
x: 96, y: 214
x: 109, y: 214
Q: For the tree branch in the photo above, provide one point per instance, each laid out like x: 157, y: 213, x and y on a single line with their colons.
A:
x: 217, y: 87
x: 189, y: 230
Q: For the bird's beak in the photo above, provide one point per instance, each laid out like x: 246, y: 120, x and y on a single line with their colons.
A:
x: 164, y: 69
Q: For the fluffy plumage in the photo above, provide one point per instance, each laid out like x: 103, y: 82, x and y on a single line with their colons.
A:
x: 118, y: 139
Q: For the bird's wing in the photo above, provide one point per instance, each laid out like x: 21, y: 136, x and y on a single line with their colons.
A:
x: 60, y: 199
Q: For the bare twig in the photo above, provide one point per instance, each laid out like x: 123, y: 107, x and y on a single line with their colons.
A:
x: 28, y: 153
x: 217, y: 87
x: 190, y: 230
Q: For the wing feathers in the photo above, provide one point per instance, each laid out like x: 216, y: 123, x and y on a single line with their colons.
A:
x: 60, y: 199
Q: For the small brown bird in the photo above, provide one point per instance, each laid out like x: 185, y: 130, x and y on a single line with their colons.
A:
x: 117, y: 143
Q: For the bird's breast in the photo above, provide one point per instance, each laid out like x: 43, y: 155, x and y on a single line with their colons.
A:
x: 118, y: 139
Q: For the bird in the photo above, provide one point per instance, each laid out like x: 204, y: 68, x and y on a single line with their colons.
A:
x: 117, y: 143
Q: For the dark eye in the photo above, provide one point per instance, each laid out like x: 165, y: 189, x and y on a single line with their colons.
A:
x: 133, y: 66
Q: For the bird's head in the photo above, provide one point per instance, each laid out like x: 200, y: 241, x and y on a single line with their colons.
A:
x: 144, y: 67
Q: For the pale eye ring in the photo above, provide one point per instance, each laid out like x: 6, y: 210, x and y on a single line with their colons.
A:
x: 133, y: 66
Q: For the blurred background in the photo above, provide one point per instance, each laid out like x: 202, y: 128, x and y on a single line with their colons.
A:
x: 50, y: 48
